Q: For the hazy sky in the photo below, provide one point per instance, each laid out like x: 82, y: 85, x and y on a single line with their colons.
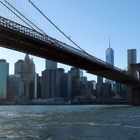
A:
x: 88, y: 23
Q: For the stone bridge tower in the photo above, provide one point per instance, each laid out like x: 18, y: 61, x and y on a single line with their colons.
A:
x: 134, y: 92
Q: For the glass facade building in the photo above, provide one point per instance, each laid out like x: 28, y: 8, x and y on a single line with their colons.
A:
x: 131, y: 57
x: 4, y: 71
x: 110, y: 56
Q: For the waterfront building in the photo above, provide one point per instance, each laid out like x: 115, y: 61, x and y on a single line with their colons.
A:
x: 4, y: 71
x: 120, y: 90
x: 87, y: 87
x: 104, y: 91
x: 66, y: 86
x: 83, y: 86
x: 26, y: 68
x: 131, y: 57
x: 92, y: 84
x: 15, y: 87
x: 35, y: 87
x: 38, y: 86
x: 76, y: 77
x: 51, y: 80
x: 99, y: 80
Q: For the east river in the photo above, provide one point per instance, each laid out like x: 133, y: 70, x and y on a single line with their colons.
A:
x: 85, y: 122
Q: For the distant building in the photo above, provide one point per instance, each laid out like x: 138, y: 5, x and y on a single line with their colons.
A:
x: 76, y: 75
x: 35, y: 87
x: 99, y: 80
x: 50, y: 65
x: 66, y: 86
x: 120, y: 90
x: 39, y: 95
x: 92, y: 84
x: 51, y: 80
x: 83, y: 87
x: 4, y: 71
x: 76, y: 72
x: 26, y: 68
x: 104, y: 91
x: 15, y: 87
x: 87, y: 87
x: 110, y: 55
x: 131, y: 57
x: 110, y: 60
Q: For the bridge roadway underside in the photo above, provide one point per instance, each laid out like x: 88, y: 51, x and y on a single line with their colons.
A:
x: 23, y: 43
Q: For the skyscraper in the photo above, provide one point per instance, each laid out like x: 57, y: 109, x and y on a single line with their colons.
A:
x: 66, y: 86
x: 76, y: 75
x: 51, y: 65
x: 15, y: 86
x: 26, y: 68
x: 50, y: 77
x: 4, y: 71
x: 110, y: 60
x: 131, y: 57
x: 99, y: 80
x: 51, y: 80
x: 110, y: 54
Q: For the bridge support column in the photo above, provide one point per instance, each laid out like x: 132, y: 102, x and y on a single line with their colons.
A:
x: 134, y: 92
x: 134, y: 96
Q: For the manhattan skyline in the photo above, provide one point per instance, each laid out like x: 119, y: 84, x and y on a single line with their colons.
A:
x: 89, y: 25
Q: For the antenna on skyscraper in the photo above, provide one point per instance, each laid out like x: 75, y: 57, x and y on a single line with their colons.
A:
x: 109, y: 42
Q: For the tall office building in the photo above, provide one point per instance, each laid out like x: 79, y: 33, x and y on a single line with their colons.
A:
x: 76, y: 75
x: 66, y: 86
x: 131, y: 57
x: 99, y: 80
x: 15, y: 87
x: 110, y: 54
x: 110, y: 60
x: 51, y: 80
x: 26, y: 68
x: 4, y: 71
x: 76, y: 72
x: 51, y: 65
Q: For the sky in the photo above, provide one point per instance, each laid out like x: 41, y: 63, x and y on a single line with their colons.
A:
x: 87, y: 22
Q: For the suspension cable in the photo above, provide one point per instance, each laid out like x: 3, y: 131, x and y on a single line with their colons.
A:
x: 25, y: 17
x: 54, y: 25
x: 16, y: 14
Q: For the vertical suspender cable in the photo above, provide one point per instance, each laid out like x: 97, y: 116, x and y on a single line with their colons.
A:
x: 24, y: 17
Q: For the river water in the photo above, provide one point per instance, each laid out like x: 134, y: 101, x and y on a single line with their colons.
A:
x: 85, y: 122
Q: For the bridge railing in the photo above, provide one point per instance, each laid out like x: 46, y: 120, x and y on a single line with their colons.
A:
x: 43, y: 37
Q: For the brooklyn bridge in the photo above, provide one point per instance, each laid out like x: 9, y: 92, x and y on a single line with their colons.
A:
x: 29, y: 38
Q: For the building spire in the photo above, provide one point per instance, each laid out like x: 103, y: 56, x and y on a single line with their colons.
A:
x: 109, y: 42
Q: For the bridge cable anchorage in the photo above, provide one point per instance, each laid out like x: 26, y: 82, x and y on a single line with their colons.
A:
x: 55, y: 25
x: 25, y: 17
x: 16, y: 15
